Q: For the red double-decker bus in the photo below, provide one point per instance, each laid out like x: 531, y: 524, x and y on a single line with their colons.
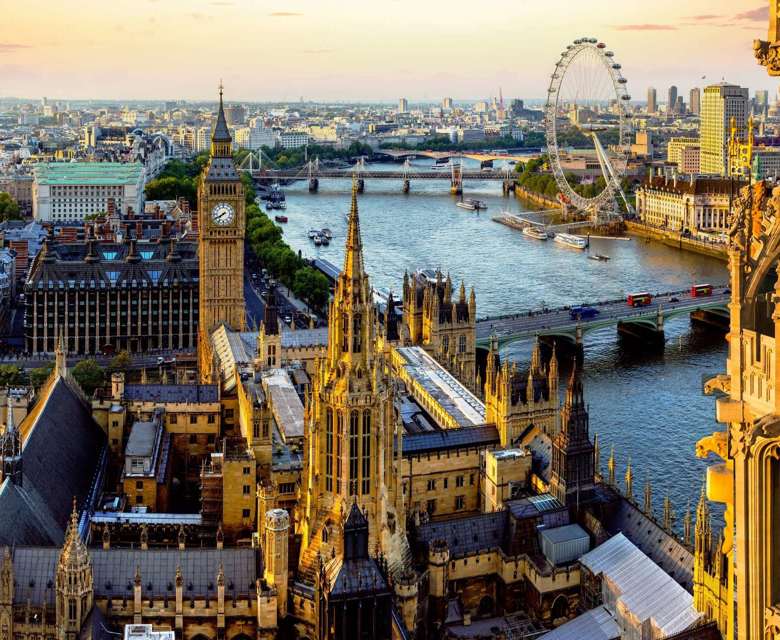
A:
x: 701, y: 290
x: 639, y: 299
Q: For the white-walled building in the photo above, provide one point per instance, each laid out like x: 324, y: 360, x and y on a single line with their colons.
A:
x: 69, y: 191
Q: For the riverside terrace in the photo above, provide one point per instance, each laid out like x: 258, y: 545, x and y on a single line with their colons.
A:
x: 558, y: 322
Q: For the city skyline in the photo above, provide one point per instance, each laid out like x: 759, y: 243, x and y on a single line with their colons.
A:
x: 426, y: 52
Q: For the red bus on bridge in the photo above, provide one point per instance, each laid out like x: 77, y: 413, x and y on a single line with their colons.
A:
x: 639, y: 299
x: 701, y: 290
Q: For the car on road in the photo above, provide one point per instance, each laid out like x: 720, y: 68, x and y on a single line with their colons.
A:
x: 674, y: 299
x: 288, y: 319
x: 160, y: 360
x: 583, y: 312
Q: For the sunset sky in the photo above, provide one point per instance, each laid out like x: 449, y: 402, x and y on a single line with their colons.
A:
x: 368, y: 49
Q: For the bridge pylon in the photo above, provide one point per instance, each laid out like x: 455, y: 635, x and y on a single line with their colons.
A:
x: 456, y: 180
x: 407, y: 182
x: 314, y: 182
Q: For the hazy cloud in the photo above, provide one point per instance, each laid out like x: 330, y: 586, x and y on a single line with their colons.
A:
x: 285, y: 14
x: 761, y: 13
x: 703, y: 16
x: 222, y: 3
x: 645, y: 27
x: 317, y: 51
x: 9, y: 47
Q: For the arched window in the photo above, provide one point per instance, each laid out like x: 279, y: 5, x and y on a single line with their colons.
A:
x: 345, y: 333
x: 357, y: 333
x: 339, y: 439
x: 445, y: 344
x: 329, y: 449
x: 366, y: 453
x: 353, y: 453
x: 462, y: 344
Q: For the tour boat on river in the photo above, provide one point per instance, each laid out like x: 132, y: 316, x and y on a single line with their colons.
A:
x: 570, y: 240
x: 535, y: 232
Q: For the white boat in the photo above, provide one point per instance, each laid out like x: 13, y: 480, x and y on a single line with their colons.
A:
x: 471, y: 204
x: 313, y: 233
x: 535, y: 232
x: 326, y: 233
x: 570, y: 240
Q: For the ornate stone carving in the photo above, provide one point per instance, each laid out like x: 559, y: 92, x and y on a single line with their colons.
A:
x: 772, y: 622
x: 715, y: 443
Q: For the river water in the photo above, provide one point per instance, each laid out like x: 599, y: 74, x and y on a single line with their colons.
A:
x: 647, y: 403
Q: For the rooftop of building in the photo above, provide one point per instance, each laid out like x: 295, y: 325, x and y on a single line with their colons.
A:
x: 91, y: 173
x: 142, y: 439
x: 454, y: 398
x: 642, y: 588
x: 172, y: 393
x: 596, y: 624
x: 449, y: 439
x: 694, y: 185
x: 285, y: 403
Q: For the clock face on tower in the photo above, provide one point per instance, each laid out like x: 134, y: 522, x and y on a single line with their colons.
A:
x: 222, y: 214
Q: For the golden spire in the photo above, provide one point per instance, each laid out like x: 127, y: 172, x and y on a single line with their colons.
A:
x: 648, y: 505
x: 668, y: 514
x: 462, y: 293
x: 687, y: 526
x: 629, y: 479
x: 353, y: 255
x: 611, y: 466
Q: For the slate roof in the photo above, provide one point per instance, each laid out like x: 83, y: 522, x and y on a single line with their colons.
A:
x: 66, y: 265
x: 358, y: 576
x: 171, y: 393
x: 304, y: 338
x: 464, y: 536
x: 60, y: 459
x: 449, y: 439
x: 114, y: 570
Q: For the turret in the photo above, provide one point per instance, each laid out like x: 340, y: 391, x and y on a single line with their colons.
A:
x: 275, y: 554
x: 611, y: 466
x: 438, y: 564
x: 648, y: 503
x: 73, y: 582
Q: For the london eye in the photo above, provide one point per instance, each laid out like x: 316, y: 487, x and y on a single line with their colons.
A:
x: 588, y: 109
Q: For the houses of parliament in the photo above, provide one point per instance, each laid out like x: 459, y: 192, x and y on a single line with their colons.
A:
x: 380, y: 477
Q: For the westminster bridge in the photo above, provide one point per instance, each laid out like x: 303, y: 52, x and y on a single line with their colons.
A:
x: 642, y: 322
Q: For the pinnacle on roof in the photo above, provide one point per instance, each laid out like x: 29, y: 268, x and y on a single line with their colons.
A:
x: 355, y: 518
x: 74, y: 553
x: 221, y: 132
x: 575, y: 394
x: 353, y: 256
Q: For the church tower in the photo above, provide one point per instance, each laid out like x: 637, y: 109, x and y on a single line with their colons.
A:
x: 351, y: 426
x: 73, y: 583
x: 221, y: 238
x: 572, y: 466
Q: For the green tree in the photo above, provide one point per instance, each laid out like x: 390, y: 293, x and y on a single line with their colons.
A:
x: 38, y: 376
x: 10, y: 375
x: 170, y: 188
x: 90, y: 375
x: 120, y: 362
x: 9, y: 208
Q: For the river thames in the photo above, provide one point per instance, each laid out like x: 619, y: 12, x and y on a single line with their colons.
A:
x: 647, y: 403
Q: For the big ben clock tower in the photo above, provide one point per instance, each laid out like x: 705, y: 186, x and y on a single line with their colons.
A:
x: 221, y: 229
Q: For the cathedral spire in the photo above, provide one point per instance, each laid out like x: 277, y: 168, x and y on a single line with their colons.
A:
x: 353, y: 255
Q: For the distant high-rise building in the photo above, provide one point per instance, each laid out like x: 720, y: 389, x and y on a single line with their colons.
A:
x: 721, y: 103
x: 446, y: 103
x: 694, y: 101
x: 679, y: 106
x: 403, y: 105
x: 652, y: 100
x: 762, y: 100
x: 671, y: 101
